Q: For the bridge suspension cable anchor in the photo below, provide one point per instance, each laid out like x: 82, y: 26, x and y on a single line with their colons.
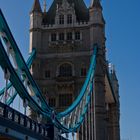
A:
x: 73, y: 135
x: 6, y: 41
x: 9, y: 49
x: 25, y: 104
x: 53, y: 116
x: 6, y: 77
x: 39, y: 118
x: 67, y: 135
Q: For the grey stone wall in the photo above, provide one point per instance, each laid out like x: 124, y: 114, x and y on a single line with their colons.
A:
x: 77, y: 53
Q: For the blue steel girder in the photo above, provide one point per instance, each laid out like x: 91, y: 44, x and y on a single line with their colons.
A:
x: 84, y: 92
x: 4, y: 29
x: 15, y: 125
x: 88, y: 79
x: 29, y: 63
x: 82, y: 100
x: 17, y: 83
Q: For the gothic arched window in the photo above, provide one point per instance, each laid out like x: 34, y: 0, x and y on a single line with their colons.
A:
x: 69, y: 36
x: 61, y: 19
x: 77, y: 35
x: 69, y: 19
x: 53, y: 37
x: 65, y: 70
x: 61, y: 36
x: 65, y: 99
x: 83, y: 71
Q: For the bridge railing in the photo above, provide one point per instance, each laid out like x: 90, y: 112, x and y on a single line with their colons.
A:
x: 36, y: 101
x: 10, y: 114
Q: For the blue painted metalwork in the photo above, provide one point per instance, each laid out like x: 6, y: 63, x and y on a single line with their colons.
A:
x: 17, y: 83
x: 20, y: 61
x: 85, y: 85
x: 44, y: 109
x: 29, y: 63
x: 88, y: 81
x: 17, y: 122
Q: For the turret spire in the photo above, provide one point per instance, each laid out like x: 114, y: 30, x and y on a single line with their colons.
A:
x: 36, y: 6
x: 96, y: 3
x: 45, y: 6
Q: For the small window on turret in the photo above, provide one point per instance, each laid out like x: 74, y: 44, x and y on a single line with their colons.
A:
x: 69, y: 19
x: 52, y: 102
x: 83, y: 71
x: 47, y: 74
x: 53, y: 37
x: 61, y: 36
x: 61, y: 19
x: 65, y: 70
x: 65, y: 99
x: 77, y: 35
x: 69, y: 36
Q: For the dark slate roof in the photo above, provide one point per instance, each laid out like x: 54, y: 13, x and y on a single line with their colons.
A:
x: 36, y: 6
x: 82, y: 12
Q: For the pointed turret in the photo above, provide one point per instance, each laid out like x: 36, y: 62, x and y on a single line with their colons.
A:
x: 36, y: 6
x: 96, y: 11
x: 98, y: 23
x: 45, y: 6
x: 96, y: 3
x: 35, y: 25
x: 96, y: 7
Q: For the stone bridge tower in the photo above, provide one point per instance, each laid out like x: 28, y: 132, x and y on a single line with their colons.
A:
x: 63, y: 37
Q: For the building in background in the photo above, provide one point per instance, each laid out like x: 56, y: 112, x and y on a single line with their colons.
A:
x: 64, y: 37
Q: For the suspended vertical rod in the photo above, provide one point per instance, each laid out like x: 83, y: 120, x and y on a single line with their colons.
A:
x: 6, y: 77
x: 94, y: 105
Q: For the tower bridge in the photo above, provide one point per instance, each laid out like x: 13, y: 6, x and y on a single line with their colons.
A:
x: 66, y: 82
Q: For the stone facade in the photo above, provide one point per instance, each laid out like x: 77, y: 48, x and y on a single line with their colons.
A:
x: 63, y: 38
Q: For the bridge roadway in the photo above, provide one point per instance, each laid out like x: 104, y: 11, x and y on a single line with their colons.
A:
x: 14, y: 125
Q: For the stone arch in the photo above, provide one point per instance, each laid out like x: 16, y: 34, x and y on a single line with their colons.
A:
x: 65, y: 69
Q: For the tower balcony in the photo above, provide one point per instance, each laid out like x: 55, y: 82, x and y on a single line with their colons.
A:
x: 65, y: 43
x: 65, y: 79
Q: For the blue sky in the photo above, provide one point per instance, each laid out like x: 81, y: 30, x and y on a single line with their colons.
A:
x: 123, y: 49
